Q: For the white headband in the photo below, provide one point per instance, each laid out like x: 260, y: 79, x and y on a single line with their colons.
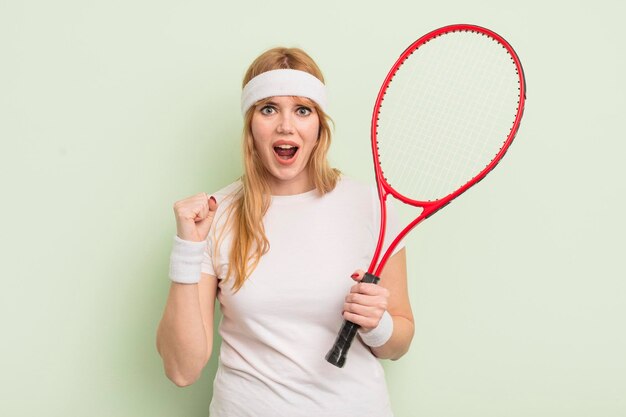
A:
x: 283, y: 82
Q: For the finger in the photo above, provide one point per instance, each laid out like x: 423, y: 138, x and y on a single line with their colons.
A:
x: 365, y: 322
x: 205, y: 224
x: 209, y: 206
x: 202, y: 211
x: 187, y: 209
x: 212, y: 203
x: 358, y: 275
x: 363, y: 310
x: 378, y: 304
x: 369, y: 289
x: 378, y: 301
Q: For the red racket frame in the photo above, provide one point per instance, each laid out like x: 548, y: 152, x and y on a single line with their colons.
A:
x: 337, y: 354
x: 431, y: 207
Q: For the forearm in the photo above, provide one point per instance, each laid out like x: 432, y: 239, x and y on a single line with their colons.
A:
x: 398, y: 344
x: 181, y: 337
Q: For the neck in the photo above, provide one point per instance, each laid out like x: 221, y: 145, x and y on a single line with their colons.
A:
x: 279, y: 187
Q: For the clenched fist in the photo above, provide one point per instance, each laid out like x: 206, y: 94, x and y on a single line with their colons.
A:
x: 194, y: 216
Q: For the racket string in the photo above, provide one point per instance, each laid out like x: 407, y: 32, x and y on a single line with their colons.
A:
x: 445, y: 115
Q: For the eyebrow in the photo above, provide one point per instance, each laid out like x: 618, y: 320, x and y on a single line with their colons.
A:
x: 298, y: 103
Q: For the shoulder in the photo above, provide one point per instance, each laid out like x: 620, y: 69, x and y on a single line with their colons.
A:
x: 228, y: 193
x: 225, y: 197
x: 355, y: 187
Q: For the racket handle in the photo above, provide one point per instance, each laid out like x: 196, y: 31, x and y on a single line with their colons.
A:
x: 337, y: 355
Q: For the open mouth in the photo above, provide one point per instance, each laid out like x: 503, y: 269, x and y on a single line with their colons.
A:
x: 286, y: 152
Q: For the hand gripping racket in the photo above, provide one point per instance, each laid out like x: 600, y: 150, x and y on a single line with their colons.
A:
x: 444, y: 117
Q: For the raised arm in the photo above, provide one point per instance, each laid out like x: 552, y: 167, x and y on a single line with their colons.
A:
x: 185, y: 334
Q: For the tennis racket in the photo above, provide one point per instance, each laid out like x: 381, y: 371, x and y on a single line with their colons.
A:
x: 445, y: 115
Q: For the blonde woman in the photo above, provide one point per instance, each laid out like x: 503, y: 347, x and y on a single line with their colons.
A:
x: 276, y: 248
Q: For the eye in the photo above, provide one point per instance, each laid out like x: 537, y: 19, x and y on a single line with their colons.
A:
x: 303, y: 111
x: 267, y: 110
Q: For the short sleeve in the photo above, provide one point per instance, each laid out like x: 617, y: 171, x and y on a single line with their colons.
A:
x: 214, y: 262
x: 207, y: 258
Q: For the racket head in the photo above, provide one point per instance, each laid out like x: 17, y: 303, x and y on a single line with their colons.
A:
x: 446, y: 114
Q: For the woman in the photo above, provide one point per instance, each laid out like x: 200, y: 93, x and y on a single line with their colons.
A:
x: 273, y: 248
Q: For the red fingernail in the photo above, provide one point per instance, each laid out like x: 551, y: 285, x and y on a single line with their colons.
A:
x: 355, y: 275
x: 213, y: 199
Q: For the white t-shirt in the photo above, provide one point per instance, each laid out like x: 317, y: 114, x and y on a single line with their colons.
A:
x: 278, y: 327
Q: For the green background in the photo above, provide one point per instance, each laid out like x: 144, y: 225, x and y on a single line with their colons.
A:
x: 110, y: 111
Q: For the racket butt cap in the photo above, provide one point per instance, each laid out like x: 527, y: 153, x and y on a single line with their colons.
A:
x: 335, y: 357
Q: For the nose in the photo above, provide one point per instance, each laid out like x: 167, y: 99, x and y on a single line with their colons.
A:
x: 285, y: 124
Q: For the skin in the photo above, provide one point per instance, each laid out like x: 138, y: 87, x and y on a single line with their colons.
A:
x: 286, y: 119
x: 185, y: 333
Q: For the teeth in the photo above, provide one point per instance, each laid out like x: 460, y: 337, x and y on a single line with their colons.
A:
x: 285, y: 146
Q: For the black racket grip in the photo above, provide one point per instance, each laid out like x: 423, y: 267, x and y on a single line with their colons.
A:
x: 337, y: 355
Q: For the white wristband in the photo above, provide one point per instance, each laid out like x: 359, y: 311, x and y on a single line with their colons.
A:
x: 186, y: 261
x: 379, y: 335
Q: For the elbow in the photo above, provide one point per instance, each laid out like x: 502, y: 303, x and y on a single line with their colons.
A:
x: 398, y: 355
x: 182, y: 380
x: 182, y: 368
x: 405, y: 345
x: 185, y: 378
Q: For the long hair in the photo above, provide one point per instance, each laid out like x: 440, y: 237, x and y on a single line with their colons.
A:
x: 251, y: 201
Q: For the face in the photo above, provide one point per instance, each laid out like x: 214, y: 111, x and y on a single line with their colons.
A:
x: 285, y: 131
